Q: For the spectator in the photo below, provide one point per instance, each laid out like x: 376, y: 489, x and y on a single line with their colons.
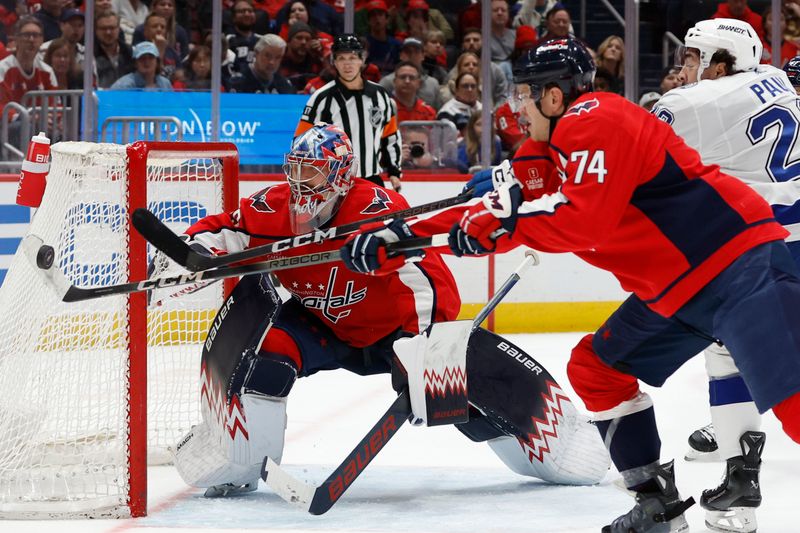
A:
x: 113, y: 58
x: 155, y: 31
x: 788, y: 48
x: 299, y: 64
x: 532, y: 13
x: 243, y: 39
x: 611, y: 58
x: 101, y: 6
x: 648, y: 100
x: 510, y: 127
x: 298, y: 12
x: 321, y: 16
x: 469, y: 146
x: 502, y: 37
x: 327, y: 74
x: 406, y: 82
x: 470, y: 62
x: 197, y: 74
x: 131, y: 14
x: 557, y: 23
x: 49, y: 15
x: 464, y: 102
x: 738, y: 9
x: 72, y: 28
x: 411, y: 52
x: 384, y: 50
x: 435, y: 56
x: 472, y: 42
x: 416, y: 150
x: 417, y: 18
x: 670, y: 78
x: 177, y: 37
x: 604, y: 81
x: 262, y: 75
x: 146, y: 75
x: 60, y: 55
x: 24, y: 71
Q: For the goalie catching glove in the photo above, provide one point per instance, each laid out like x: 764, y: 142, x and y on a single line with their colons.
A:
x: 365, y: 252
x: 482, y: 223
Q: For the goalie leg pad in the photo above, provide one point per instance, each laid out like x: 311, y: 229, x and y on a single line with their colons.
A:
x: 435, y: 363
x: 558, y: 444
x: 213, y: 454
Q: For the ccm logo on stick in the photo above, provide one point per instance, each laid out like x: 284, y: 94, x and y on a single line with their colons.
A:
x: 521, y: 357
x: 362, y: 458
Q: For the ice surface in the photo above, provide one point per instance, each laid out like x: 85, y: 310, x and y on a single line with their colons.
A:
x: 434, y: 480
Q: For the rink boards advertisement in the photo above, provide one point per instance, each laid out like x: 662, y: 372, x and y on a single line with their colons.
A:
x: 561, y: 294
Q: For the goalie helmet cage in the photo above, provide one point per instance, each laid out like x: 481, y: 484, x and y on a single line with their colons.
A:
x: 76, y: 425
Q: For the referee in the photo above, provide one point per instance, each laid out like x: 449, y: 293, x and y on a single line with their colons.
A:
x: 364, y: 110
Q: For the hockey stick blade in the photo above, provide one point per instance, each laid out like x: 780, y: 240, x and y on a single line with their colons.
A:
x: 319, y: 499
x: 163, y: 238
x: 72, y: 293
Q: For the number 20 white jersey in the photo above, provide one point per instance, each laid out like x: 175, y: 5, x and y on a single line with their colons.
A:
x: 749, y: 125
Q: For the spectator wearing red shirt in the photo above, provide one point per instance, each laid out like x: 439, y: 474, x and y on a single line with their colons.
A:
x: 24, y: 71
x: 788, y: 48
x: 407, y: 78
x: 738, y: 9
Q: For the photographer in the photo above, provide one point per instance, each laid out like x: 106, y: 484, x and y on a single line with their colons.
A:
x: 416, y: 153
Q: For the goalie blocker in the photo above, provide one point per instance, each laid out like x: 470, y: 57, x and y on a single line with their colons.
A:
x: 529, y: 422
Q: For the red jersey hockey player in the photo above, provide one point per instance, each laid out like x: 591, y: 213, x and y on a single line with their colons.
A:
x: 335, y: 318
x: 699, y: 250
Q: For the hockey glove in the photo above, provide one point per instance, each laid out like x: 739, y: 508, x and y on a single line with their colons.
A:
x: 161, y: 265
x: 482, y: 223
x: 365, y: 252
x: 489, y: 179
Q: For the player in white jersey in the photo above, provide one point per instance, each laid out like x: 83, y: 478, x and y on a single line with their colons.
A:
x: 745, y: 118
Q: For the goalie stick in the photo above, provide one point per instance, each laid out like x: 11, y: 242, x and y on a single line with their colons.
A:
x: 43, y: 257
x: 320, y: 498
x: 159, y: 235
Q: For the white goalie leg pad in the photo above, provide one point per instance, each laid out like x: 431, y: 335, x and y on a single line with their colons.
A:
x: 575, y: 455
x: 731, y: 420
x: 229, y: 449
x: 436, y: 364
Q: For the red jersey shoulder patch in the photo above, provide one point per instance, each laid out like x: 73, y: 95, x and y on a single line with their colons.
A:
x: 583, y: 107
x: 258, y: 201
x: 379, y: 204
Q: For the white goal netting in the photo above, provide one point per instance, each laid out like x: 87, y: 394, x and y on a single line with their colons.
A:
x: 65, y: 396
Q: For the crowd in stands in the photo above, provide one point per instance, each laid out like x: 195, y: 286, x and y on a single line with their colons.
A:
x: 427, y: 53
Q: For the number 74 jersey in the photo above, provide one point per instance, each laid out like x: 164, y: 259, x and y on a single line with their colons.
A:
x: 748, y: 124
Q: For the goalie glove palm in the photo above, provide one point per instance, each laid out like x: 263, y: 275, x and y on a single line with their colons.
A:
x: 480, y: 225
x: 365, y: 252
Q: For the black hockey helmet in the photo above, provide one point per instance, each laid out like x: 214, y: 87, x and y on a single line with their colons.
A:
x: 347, y: 42
x: 792, y: 70
x: 562, y: 62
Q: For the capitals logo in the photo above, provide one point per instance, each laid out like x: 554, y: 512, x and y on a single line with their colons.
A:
x: 259, y: 201
x: 583, y: 107
x: 380, y: 203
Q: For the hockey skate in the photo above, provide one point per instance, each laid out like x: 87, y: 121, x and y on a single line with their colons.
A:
x: 731, y: 506
x: 655, y: 512
x: 703, y: 445
x: 229, y: 489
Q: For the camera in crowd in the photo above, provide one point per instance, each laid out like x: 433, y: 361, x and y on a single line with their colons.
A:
x: 417, y: 149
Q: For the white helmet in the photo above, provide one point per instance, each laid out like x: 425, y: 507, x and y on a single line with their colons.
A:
x: 736, y: 36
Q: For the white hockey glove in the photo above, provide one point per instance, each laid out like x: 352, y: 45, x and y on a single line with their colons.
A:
x: 492, y: 178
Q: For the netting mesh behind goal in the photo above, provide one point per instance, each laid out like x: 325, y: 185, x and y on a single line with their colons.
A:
x: 64, y: 394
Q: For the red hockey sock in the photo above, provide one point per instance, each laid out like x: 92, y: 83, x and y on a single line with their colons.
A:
x: 280, y: 342
x: 788, y: 412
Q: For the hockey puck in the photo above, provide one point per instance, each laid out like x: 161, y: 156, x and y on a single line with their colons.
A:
x: 45, y: 256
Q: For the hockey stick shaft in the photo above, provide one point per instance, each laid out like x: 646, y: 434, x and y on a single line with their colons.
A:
x: 163, y: 238
x: 319, y: 499
x: 72, y: 293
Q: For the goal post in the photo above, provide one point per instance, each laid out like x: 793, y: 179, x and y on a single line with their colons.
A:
x: 91, y: 392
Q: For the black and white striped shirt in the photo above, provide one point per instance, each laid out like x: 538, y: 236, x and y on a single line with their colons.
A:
x: 367, y: 116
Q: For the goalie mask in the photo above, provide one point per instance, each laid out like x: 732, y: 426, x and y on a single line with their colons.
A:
x: 736, y: 36
x: 319, y: 171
